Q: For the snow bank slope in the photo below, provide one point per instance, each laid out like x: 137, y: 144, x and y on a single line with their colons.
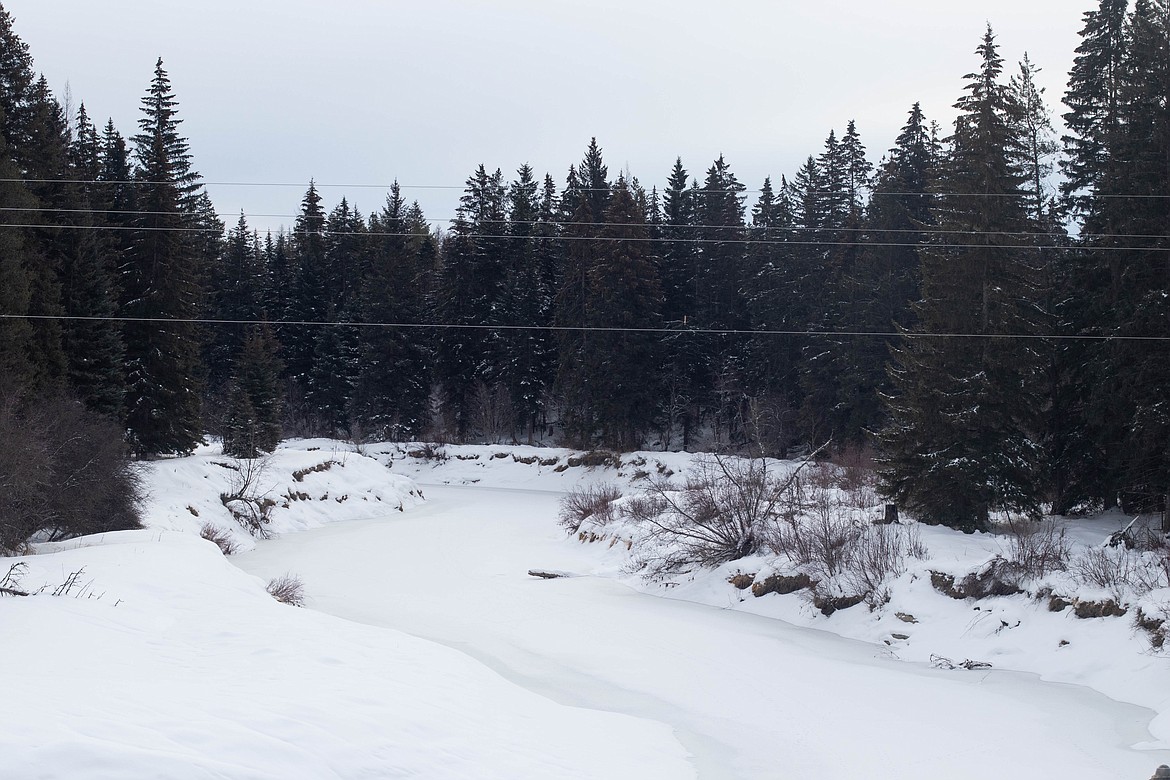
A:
x: 307, y: 482
x: 164, y: 660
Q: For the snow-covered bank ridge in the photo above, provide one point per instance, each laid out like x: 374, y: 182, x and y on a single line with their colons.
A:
x: 147, y: 654
x: 164, y: 659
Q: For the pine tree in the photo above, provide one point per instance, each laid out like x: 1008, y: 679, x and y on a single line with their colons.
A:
x: 16, y: 82
x: 885, y: 280
x: 254, y: 399
x: 527, y: 298
x: 160, y: 291
x: 392, y: 385
x: 91, y: 337
x: 43, y: 156
x: 253, y: 410
x: 624, y: 292
x: 239, y: 426
x: 838, y: 402
x: 719, y: 281
x: 594, y: 176
x: 1112, y: 395
x: 329, y: 387
x: 16, y: 367
x: 305, y: 302
x: 1039, y: 146
x: 235, y: 296
x: 1141, y: 167
x: 678, y: 255
x: 961, y: 443
x: 471, y: 286
x: 1092, y: 99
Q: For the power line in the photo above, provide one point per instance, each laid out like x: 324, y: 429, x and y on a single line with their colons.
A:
x: 591, y: 329
x: 680, y: 226
x: 633, y: 239
x: 689, y: 191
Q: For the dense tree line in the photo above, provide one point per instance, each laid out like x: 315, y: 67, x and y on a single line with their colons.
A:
x: 993, y: 338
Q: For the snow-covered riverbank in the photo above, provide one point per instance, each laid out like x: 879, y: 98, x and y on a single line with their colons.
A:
x: 427, y: 650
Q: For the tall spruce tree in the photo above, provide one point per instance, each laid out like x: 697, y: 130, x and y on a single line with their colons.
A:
x: 719, y: 280
x: 393, y: 382
x: 235, y: 295
x: 470, y: 288
x: 528, y: 355
x: 574, y: 385
x: 1112, y: 391
x: 624, y: 292
x: 962, y: 440
x: 252, y: 420
x: 838, y: 402
x: 885, y: 280
x: 303, y: 303
x: 160, y: 290
x: 16, y: 352
x: 1141, y: 213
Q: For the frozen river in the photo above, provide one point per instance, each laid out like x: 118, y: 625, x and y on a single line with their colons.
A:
x: 748, y: 697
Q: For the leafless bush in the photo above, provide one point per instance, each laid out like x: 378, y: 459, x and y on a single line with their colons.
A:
x: 221, y: 538
x: 429, y: 451
x: 1035, y: 549
x: 245, y: 498
x: 287, y: 589
x: 724, y: 511
x: 820, y: 542
x: 828, y: 537
x: 878, y: 554
x: 492, y: 413
x: 595, y: 501
x: 64, y: 471
x: 857, y: 477
x: 10, y: 582
x: 1121, y: 571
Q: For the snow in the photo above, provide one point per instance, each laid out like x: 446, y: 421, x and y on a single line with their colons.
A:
x: 427, y: 650
x: 174, y: 663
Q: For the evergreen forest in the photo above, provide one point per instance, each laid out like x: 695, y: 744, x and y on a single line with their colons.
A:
x: 985, y: 305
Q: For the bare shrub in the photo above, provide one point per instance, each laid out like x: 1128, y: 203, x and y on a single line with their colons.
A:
x: 1122, y: 571
x: 221, y: 538
x: 821, y: 542
x: 816, y: 532
x: 878, y: 554
x: 287, y: 589
x: 64, y: 471
x: 1036, y: 549
x: 724, y: 511
x: 245, y: 498
x: 594, y: 502
x: 857, y: 477
x: 429, y: 451
x: 10, y: 582
x: 492, y: 413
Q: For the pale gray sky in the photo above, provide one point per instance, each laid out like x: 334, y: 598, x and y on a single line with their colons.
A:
x: 368, y: 91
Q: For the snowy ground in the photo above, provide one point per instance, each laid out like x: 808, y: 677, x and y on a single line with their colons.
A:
x: 428, y: 651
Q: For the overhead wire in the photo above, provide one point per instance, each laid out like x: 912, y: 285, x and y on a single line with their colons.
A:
x: 685, y: 331
x: 700, y: 191
x: 926, y: 231
x: 569, y: 238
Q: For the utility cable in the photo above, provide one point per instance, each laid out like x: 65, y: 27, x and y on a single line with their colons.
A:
x: 687, y: 331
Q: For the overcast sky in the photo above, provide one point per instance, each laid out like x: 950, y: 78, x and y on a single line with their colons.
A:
x: 369, y: 91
